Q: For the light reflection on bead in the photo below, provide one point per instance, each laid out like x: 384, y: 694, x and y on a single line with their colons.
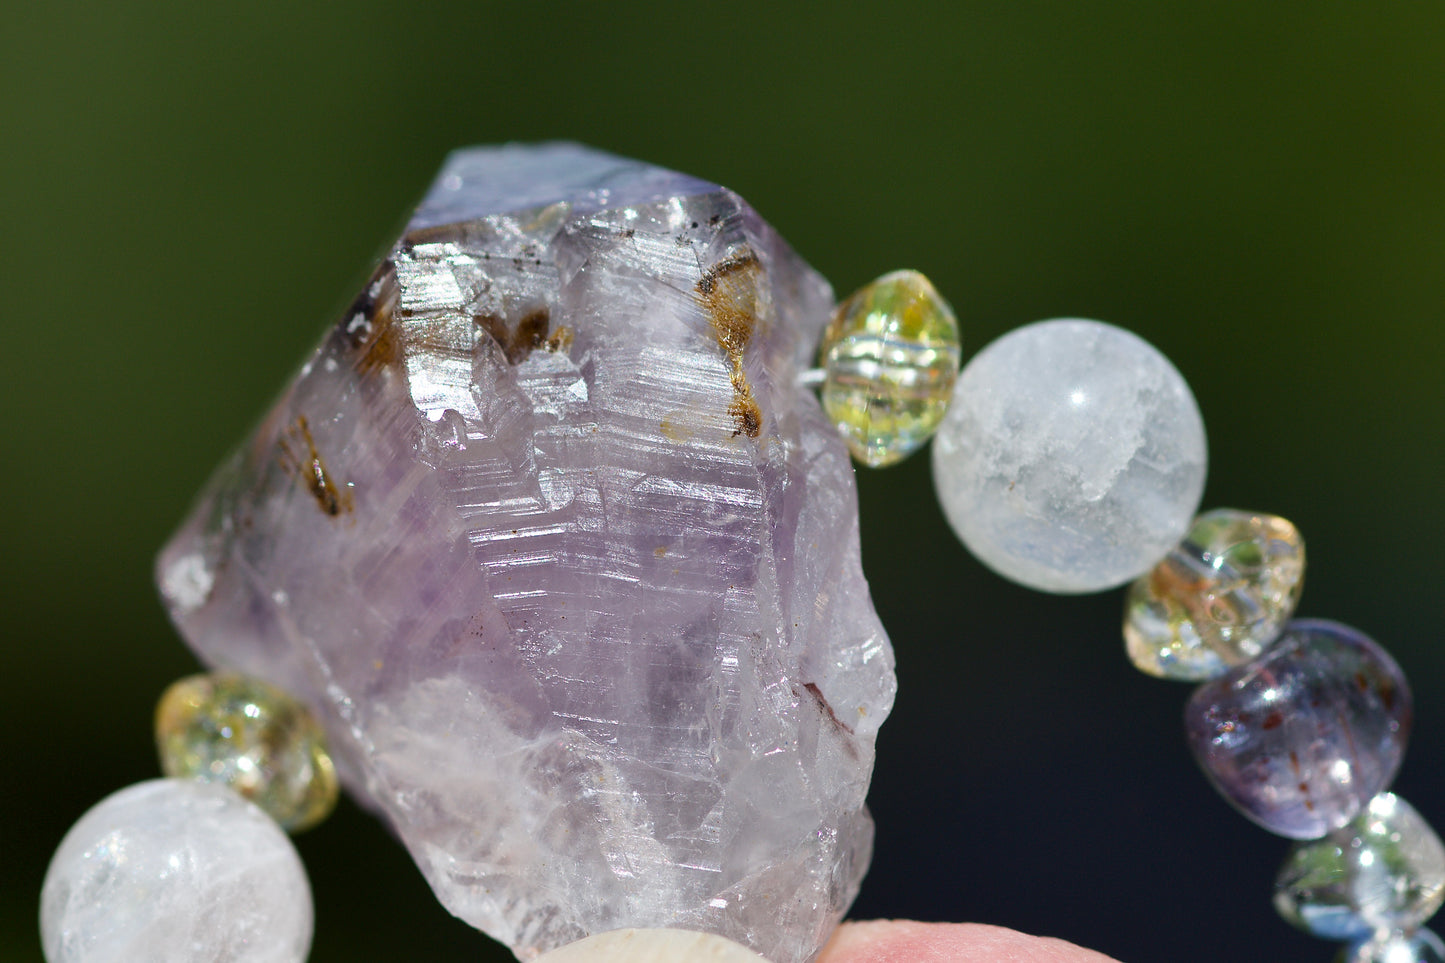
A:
x: 1218, y: 598
x: 1383, y: 872
x: 1072, y: 456
x: 243, y: 733
x: 1421, y: 947
x: 1302, y: 738
x: 174, y: 871
x: 890, y: 359
x: 638, y: 945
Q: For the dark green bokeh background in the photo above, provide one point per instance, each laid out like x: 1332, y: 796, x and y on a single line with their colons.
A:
x: 189, y: 193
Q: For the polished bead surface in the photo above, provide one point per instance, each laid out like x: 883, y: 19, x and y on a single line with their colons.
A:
x: 174, y: 871
x: 1072, y: 457
x: 1218, y: 599
x: 890, y: 360
x: 246, y: 734
x: 652, y: 946
x: 1421, y: 947
x: 1382, y: 872
x: 1302, y: 738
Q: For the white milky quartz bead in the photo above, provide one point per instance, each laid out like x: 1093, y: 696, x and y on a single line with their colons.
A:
x: 1072, y: 457
x: 652, y: 946
x: 173, y: 871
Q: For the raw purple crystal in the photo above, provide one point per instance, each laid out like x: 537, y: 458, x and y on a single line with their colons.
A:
x: 1304, y: 736
x: 567, y: 561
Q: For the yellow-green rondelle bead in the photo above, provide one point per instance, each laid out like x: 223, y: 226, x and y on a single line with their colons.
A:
x: 890, y: 358
x: 243, y: 733
x: 1218, y: 599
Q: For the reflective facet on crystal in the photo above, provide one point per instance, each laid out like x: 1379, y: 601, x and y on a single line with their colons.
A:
x: 566, y: 558
x: 1072, y: 456
x: 1303, y: 737
x: 1383, y: 872
x: 890, y: 359
x: 1218, y: 598
x: 243, y: 733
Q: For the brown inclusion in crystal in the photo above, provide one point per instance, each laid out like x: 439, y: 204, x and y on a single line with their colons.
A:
x: 299, y: 456
x: 729, y: 293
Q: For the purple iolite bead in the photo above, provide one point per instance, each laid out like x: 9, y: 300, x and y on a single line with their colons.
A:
x: 1301, y: 738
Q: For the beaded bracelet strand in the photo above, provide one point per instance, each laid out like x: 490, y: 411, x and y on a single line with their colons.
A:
x: 1300, y: 725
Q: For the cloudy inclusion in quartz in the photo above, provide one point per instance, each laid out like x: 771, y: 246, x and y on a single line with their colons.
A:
x: 173, y: 871
x: 1072, y: 456
x: 567, y: 561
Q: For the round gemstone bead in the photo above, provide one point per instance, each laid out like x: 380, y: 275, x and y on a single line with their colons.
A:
x: 651, y: 946
x: 172, y: 871
x: 1421, y: 947
x: 246, y: 734
x: 1072, y: 457
x: 1218, y: 599
x: 1381, y: 873
x: 890, y: 359
x: 1303, y: 737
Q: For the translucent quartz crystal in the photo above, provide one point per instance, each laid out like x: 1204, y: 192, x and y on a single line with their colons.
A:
x: 1218, y: 598
x: 1421, y: 947
x: 1302, y: 738
x: 1072, y: 457
x: 565, y: 558
x: 1383, y: 872
x: 173, y: 871
x: 890, y: 357
x: 243, y: 733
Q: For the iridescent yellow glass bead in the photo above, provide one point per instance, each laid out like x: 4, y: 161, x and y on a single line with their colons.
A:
x: 241, y: 732
x: 889, y: 358
x: 1218, y: 599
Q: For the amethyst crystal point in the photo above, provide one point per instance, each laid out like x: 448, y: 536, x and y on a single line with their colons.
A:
x: 552, y: 539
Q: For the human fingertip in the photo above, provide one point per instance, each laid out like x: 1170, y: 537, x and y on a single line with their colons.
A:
x: 908, y: 941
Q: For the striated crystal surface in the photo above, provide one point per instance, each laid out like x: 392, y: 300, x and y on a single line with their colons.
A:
x: 1383, y: 872
x: 1218, y: 599
x: 243, y: 733
x: 890, y: 357
x: 566, y: 559
x: 1303, y: 737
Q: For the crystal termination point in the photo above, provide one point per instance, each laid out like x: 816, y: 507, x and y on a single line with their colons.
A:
x: 567, y: 562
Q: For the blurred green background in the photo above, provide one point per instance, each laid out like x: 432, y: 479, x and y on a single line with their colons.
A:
x: 190, y: 193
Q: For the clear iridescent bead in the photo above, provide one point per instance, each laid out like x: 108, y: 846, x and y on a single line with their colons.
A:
x: 890, y: 358
x: 1384, y: 872
x: 244, y: 733
x: 1420, y: 947
x: 1303, y: 737
x: 1217, y: 599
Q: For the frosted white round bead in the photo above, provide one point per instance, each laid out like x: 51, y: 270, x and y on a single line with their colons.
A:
x: 171, y: 871
x: 652, y: 946
x: 1072, y: 457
